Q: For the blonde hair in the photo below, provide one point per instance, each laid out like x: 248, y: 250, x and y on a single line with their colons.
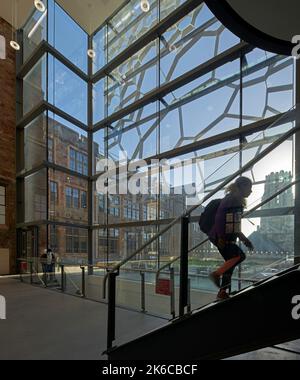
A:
x: 234, y: 188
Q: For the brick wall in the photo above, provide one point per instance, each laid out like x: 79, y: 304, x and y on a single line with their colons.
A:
x: 8, y: 144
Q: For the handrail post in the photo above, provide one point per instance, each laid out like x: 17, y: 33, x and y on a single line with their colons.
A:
x: 31, y: 272
x: 184, y: 255
x: 189, y: 305
x: 143, y: 303
x: 111, y: 315
x: 21, y: 270
x: 172, y: 287
x: 62, y: 269
x: 83, y: 294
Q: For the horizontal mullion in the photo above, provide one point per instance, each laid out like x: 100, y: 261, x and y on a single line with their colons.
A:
x: 65, y: 170
x: 24, y: 174
x: 133, y: 224
x: 50, y: 165
x: 52, y: 223
x: 31, y: 115
x: 233, y: 134
x: 45, y: 47
x: 157, y: 94
x: 148, y: 37
x: 45, y: 106
x: 37, y: 54
x: 164, y: 52
x: 271, y: 212
x: 66, y: 116
x: 197, y: 95
x: 60, y: 57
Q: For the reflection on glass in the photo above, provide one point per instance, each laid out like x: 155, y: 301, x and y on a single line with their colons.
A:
x: 128, y: 25
x: 34, y: 31
x: 35, y: 142
x: 70, y: 245
x: 36, y: 196
x: 99, y: 43
x: 99, y: 148
x: 99, y: 111
x: 35, y: 85
x: 68, y: 198
x: 67, y: 145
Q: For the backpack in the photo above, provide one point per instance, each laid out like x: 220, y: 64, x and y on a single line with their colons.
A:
x: 207, y: 218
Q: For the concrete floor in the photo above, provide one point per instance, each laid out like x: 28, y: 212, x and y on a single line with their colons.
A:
x: 45, y: 324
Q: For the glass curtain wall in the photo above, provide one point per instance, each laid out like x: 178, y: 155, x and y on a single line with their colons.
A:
x: 229, y: 98
x: 54, y: 164
x: 167, y: 100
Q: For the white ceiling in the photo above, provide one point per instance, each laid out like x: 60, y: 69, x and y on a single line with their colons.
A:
x: 277, y: 18
x: 88, y: 13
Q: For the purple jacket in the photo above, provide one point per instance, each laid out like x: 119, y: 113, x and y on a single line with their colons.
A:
x: 228, y: 219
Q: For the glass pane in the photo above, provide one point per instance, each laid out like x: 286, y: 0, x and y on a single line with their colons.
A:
x: 2, y: 215
x: 132, y: 79
x: 66, y: 207
x: 128, y: 25
x: 100, y: 246
x: 99, y: 47
x: 99, y: 105
x: 35, y: 142
x: 135, y: 137
x: 205, y: 107
x: 67, y: 144
x: 67, y: 91
x: 69, y: 243
x: 168, y: 6
x: 194, y: 40
x: 34, y: 31
x: 67, y: 36
x: 99, y: 206
x: 268, y: 85
x: 36, y: 196
x: 35, y: 85
x: 98, y: 148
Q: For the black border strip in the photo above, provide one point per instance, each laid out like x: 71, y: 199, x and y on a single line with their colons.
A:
x: 237, y: 25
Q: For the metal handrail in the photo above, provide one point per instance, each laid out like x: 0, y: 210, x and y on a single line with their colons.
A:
x: 104, y: 267
x: 245, y: 215
x: 230, y: 178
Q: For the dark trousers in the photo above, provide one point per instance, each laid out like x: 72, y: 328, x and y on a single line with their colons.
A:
x: 231, y: 251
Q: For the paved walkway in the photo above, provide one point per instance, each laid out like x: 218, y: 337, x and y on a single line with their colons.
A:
x: 44, y: 324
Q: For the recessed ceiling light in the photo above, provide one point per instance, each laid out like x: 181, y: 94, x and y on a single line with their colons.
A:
x: 14, y: 45
x: 40, y: 6
x: 91, y: 53
x: 145, y: 6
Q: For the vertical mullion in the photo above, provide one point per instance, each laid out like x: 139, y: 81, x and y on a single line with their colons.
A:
x: 90, y: 157
x: 297, y: 170
x: 20, y: 134
x: 105, y: 86
x: 158, y: 138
